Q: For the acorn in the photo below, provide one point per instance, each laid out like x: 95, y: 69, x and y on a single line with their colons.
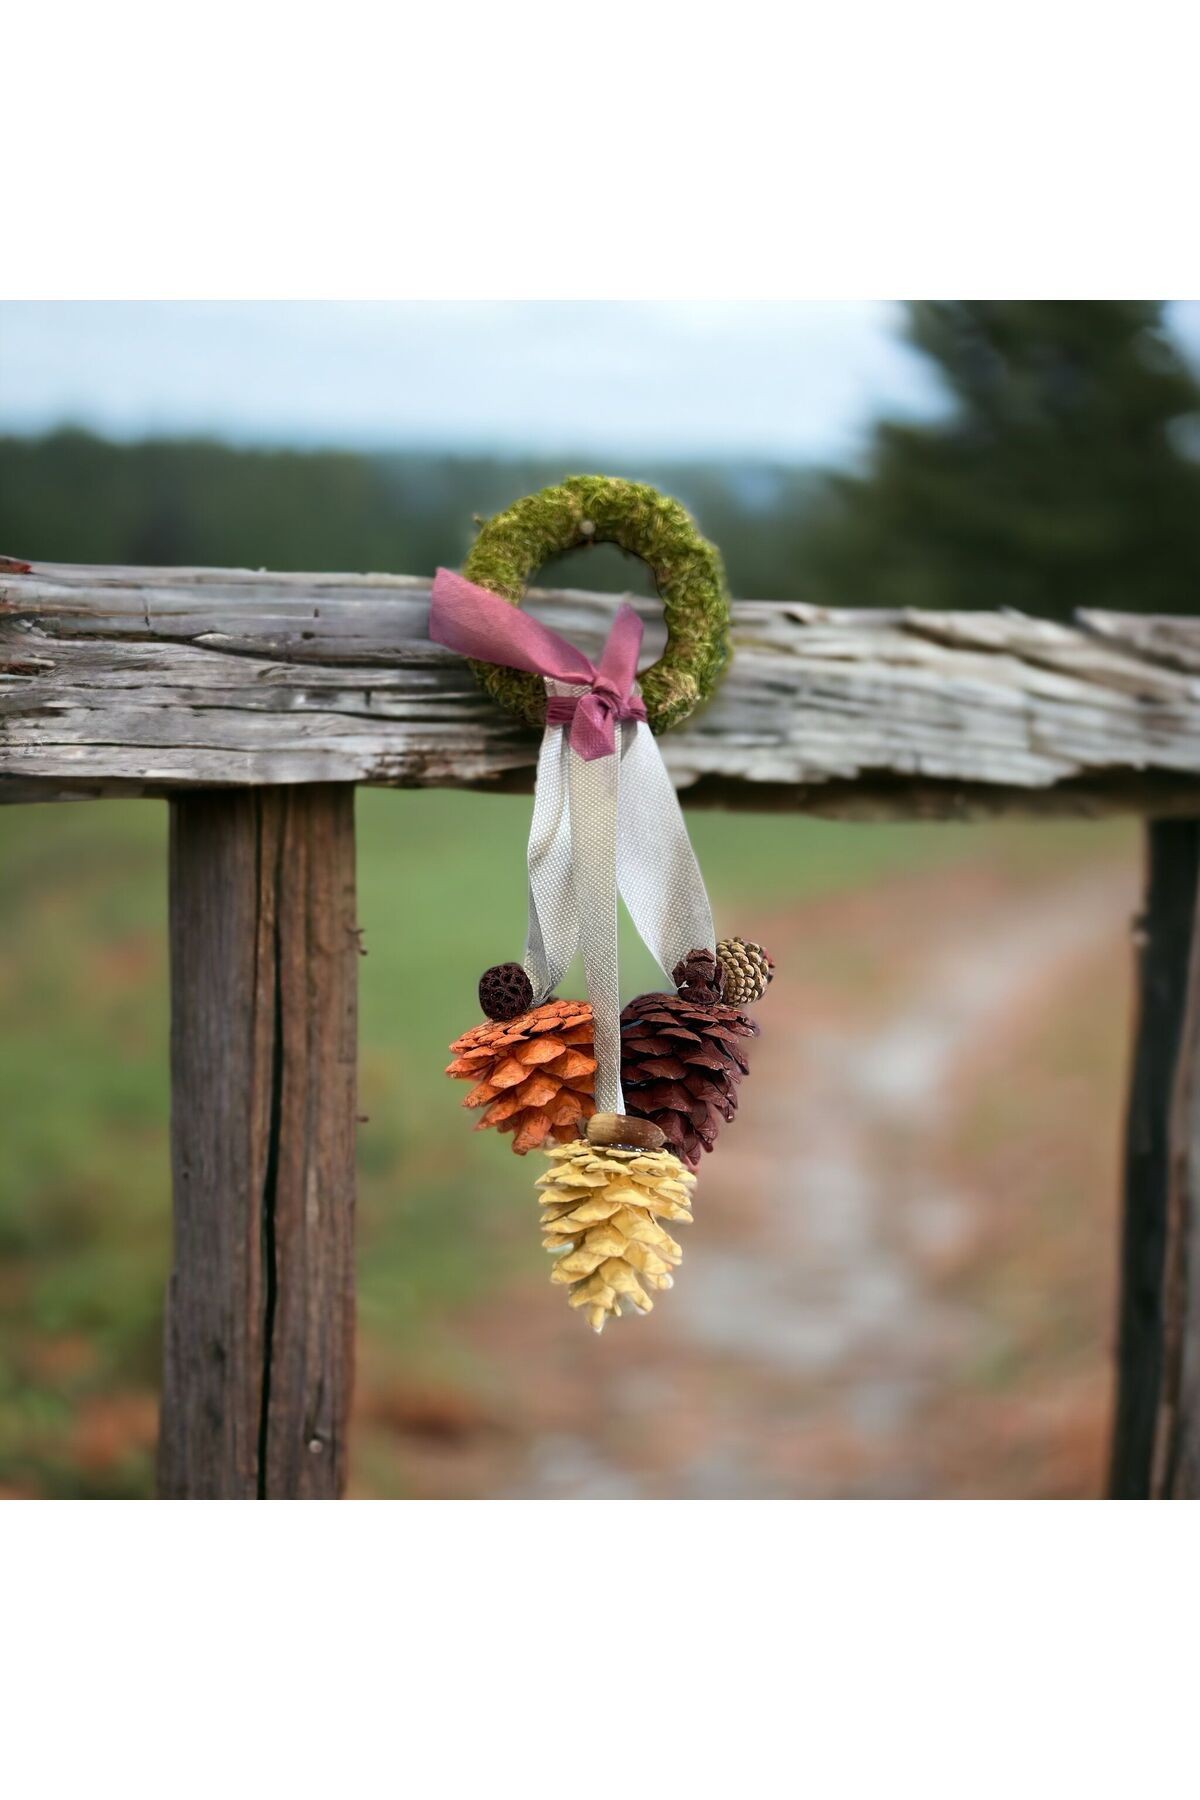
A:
x: 620, y: 1131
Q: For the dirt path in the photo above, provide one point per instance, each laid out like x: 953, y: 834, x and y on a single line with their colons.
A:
x: 900, y: 1275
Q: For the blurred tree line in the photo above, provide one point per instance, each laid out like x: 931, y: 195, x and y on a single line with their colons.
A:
x: 1065, y: 475
x: 1064, y: 472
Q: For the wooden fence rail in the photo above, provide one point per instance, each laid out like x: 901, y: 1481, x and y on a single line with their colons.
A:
x: 147, y: 680
x: 256, y: 701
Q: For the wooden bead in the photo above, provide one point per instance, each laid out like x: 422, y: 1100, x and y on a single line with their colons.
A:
x: 618, y: 1131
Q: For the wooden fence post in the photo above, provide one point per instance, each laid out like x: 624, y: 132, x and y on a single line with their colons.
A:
x: 259, y: 1335
x: 1176, y: 1469
x: 1164, y: 939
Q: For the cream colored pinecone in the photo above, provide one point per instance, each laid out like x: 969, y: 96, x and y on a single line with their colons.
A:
x: 601, y: 1217
x: 749, y: 971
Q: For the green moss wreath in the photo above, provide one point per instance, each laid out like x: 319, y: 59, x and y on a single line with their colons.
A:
x: 598, y: 509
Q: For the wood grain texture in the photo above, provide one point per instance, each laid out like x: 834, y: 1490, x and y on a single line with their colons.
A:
x: 259, y: 1334
x: 1176, y: 1468
x: 144, y: 681
x: 1163, y: 938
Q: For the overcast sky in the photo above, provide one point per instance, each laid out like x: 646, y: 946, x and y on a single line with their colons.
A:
x: 782, y: 379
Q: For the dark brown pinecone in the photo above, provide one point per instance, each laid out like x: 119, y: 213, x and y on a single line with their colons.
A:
x: 700, y: 976
x: 681, y: 1062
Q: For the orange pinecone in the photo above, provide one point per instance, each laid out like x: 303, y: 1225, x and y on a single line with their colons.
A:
x: 533, y: 1074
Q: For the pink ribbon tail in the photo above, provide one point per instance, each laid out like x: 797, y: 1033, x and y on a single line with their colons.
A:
x: 481, y: 625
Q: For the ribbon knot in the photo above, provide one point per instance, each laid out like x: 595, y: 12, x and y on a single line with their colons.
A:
x: 481, y: 625
x: 592, y: 718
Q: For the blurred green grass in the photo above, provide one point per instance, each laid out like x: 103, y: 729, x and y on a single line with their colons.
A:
x: 84, y: 1188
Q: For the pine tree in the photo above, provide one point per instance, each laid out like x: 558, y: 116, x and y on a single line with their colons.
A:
x: 1065, y: 474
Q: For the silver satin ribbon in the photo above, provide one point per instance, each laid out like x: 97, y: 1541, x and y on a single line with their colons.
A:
x: 602, y: 827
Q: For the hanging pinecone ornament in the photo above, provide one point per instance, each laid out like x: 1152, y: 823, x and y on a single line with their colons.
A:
x: 748, y: 969
x: 532, y: 1074
x: 603, y: 1207
x: 683, y: 1056
x: 606, y: 825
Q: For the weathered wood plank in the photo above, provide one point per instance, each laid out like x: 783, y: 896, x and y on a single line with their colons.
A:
x: 260, y: 1307
x: 1176, y: 1466
x: 1163, y: 937
x: 144, y: 681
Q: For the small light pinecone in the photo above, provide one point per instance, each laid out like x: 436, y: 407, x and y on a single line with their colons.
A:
x: 749, y: 971
x: 533, y: 1074
x: 601, y: 1217
x: 681, y: 1062
x: 700, y: 976
x: 505, y: 991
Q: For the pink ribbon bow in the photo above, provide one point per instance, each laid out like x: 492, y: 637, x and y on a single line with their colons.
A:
x: 482, y: 625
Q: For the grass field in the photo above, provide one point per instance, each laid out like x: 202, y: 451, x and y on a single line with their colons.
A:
x: 84, y: 1211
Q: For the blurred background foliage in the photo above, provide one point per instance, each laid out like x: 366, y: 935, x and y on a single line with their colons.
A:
x: 1065, y: 475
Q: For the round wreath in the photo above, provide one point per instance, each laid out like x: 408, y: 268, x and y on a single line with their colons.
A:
x: 687, y: 571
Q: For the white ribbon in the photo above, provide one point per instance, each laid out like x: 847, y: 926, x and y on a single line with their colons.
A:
x: 610, y: 824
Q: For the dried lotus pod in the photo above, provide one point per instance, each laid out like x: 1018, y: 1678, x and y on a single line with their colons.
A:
x: 505, y: 991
